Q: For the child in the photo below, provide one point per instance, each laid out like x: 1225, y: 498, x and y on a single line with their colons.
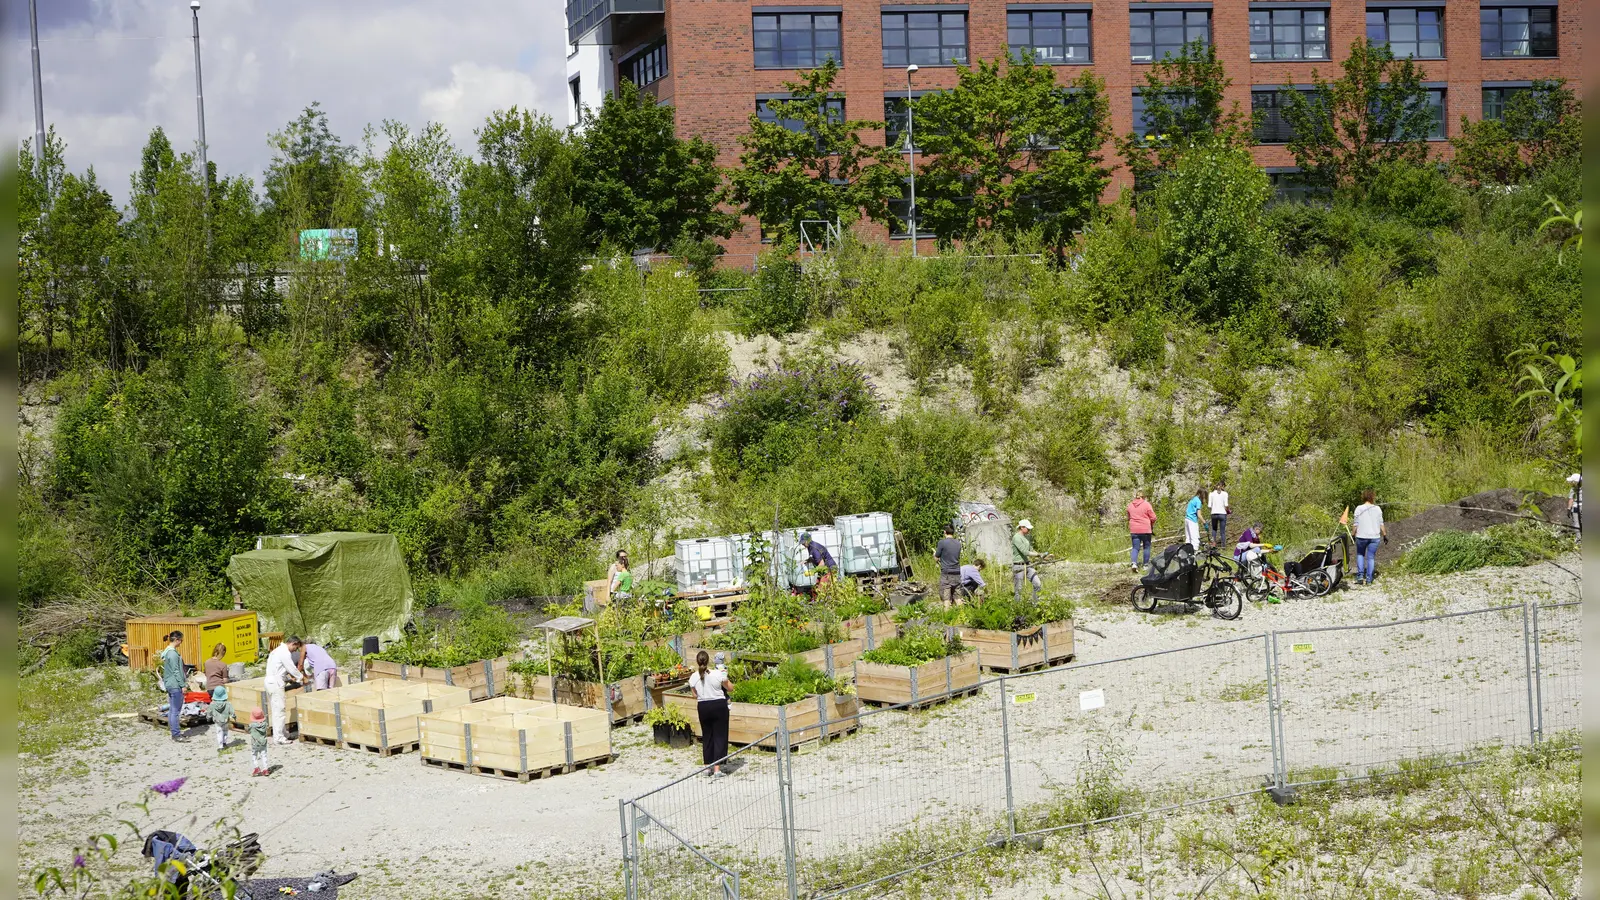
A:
x: 221, y: 715
x: 258, y: 742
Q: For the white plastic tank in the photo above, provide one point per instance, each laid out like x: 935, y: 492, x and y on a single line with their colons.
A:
x: 709, y: 564
x: 793, y: 553
x: 866, y: 543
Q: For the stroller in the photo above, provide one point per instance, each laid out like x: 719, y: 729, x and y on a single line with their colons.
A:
x: 194, y: 872
x: 1315, y: 574
x: 1177, y: 575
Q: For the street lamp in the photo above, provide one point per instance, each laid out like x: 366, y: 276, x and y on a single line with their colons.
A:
x: 200, y: 113
x: 911, y: 151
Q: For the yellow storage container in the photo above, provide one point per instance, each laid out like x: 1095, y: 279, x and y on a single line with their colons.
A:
x: 235, y: 629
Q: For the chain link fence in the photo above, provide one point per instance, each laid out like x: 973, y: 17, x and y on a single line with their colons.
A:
x: 1029, y: 754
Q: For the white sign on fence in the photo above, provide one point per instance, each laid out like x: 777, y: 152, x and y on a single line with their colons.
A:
x: 1094, y: 699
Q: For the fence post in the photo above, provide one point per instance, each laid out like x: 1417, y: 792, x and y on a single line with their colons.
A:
x: 627, y: 857
x: 1538, y: 677
x: 1527, y: 663
x: 786, y: 802
x: 1005, y: 743
x: 633, y: 844
x: 1279, y: 791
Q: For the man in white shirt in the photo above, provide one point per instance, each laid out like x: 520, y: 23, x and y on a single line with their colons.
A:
x: 281, y: 669
x: 1218, y: 502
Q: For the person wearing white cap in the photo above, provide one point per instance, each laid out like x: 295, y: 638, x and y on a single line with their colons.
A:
x: 1022, y: 557
x: 1575, y: 501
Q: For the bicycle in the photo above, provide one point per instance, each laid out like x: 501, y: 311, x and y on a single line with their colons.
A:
x: 1212, y: 581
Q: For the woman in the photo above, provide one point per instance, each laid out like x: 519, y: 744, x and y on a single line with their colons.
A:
x: 1141, y: 529
x: 216, y: 670
x: 1250, y: 547
x: 711, y: 687
x: 1191, y: 519
x: 1369, y: 531
x: 621, y: 586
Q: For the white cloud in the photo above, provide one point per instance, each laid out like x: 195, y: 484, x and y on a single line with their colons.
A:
x: 115, y: 69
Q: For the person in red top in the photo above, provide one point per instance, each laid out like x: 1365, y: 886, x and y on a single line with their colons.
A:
x: 1141, y: 528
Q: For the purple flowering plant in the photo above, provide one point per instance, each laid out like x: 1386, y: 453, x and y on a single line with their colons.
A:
x: 758, y: 415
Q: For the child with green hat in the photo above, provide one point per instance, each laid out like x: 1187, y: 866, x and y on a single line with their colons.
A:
x: 221, y: 715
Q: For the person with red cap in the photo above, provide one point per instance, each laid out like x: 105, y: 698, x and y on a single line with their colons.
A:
x: 258, y: 743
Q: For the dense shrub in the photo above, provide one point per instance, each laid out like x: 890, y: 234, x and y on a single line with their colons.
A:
x: 763, y: 422
x: 1515, y: 544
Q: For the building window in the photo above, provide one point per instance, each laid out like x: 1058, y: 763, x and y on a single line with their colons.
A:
x: 1435, y: 104
x: 1518, y: 31
x: 796, y: 40
x: 647, y: 66
x: 894, y: 123
x: 924, y: 39
x: 1271, y: 126
x: 1053, y: 37
x: 1408, y: 32
x: 577, y: 95
x: 1163, y: 32
x: 1141, y: 120
x: 1288, y: 34
x: 1289, y: 187
x: 1496, y: 99
x: 835, y: 108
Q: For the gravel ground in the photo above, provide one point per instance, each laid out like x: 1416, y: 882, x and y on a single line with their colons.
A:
x: 1185, y: 721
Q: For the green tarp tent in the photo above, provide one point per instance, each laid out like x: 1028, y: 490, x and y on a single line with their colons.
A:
x: 338, y: 585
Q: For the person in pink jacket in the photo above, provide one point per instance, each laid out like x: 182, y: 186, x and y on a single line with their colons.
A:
x: 1141, y: 529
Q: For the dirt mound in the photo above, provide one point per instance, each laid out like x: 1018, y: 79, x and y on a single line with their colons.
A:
x: 1473, y: 513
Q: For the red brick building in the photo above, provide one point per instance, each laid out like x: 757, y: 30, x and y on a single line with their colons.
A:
x: 717, y: 60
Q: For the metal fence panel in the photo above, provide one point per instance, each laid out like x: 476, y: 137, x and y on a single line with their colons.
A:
x: 1096, y: 740
x: 1359, y: 700
x: 1559, y: 662
x: 689, y: 828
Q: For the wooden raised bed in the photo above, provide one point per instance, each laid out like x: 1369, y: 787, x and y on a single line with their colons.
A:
x: 818, y: 717
x: 484, y: 679
x: 828, y: 659
x: 381, y: 719
x: 623, y: 702
x: 870, y: 630
x: 1017, y: 651
x: 932, y: 682
x: 251, y: 693
x: 532, y: 741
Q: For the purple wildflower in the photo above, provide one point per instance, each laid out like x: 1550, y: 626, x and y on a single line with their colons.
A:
x: 168, y: 788
x: 77, y: 861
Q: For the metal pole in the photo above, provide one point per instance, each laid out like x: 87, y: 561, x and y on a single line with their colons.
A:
x: 1538, y: 678
x: 1274, y: 725
x: 1005, y: 744
x: 911, y: 151
x: 786, y: 804
x: 1280, y: 763
x: 200, y: 114
x: 1527, y: 660
x: 627, y: 857
x: 38, y: 94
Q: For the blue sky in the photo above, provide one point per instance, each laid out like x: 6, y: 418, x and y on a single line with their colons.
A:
x: 115, y: 69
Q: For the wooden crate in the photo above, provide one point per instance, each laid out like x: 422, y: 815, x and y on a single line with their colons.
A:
x: 236, y: 629
x: 444, y: 735
x: 624, y: 703
x: 871, y: 630
x: 818, y: 717
x: 720, y: 603
x: 484, y: 679
x: 834, y: 658
x: 932, y: 682
x: 596, y: 595
x: 379, y: 717
x: 250, y: 693
x: 532, y: 743
x: 1016, y: 651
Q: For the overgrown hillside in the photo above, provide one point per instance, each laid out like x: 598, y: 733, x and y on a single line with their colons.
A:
x: 486, y: 379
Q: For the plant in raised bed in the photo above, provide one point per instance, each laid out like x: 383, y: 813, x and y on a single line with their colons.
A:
x: 914, y: 647
x: 669, y: 725
x: 779, y: 625
x: 479, y: 631
x: 789, y: 682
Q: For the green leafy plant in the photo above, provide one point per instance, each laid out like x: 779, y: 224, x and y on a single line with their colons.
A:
x: 789, y: 682
x: 1512, y: 544
x: 915, y: 646
x: 668, y: 714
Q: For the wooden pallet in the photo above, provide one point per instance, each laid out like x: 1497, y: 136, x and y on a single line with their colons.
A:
x: 513, y: 775
x: 926, y: 702
x: 156, y: 717
x: 355, y: 745
x: 1032, y: 667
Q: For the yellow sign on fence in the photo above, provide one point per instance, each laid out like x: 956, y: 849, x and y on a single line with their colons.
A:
x: 1029, y: 697
x: 1300, y: 648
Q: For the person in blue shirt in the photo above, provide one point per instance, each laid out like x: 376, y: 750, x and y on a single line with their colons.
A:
x: 972, y: 578
x: 1191, y: 518
x: 818, y: 558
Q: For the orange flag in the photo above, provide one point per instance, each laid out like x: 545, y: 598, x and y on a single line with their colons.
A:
x: 1344, y: 518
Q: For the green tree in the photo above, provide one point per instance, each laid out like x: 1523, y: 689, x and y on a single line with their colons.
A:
x: 164, y: 251
x: 1211, y: 235
x: 1008, y: 150
x: 311, y: 181
x: 819, y: 169
x: 1183, y: 108
x: 521, y: 229
x: 1375, y: 114
x: 641, y: 184
x: 1538, y: 126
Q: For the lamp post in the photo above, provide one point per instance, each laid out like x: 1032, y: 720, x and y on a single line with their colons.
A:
x: 200, y: 114
x: 911, y: 151
x: 38, y: 95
